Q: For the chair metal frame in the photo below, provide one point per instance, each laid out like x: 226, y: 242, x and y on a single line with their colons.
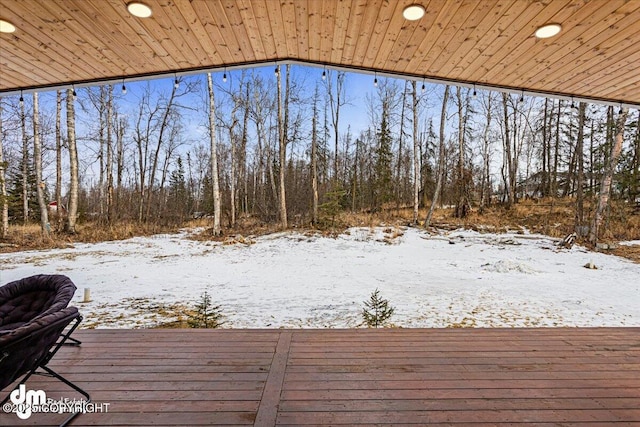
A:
x: 62, y: 332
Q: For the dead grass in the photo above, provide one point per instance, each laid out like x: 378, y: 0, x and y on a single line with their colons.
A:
x: 30, y: 237
x: 552, y: 217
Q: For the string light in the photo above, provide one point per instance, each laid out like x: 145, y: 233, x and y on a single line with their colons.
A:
x: 573, y: 105
x: 277, y: 71
x: 21, y: 99
x: 324, y: 74
x: 474, y: 91
x: 621, y: 111
x: 522, y: 97
x: 375, y: 80
x: 124, y: 88
x: 423, y: 86
x: 75, y: 95
x: 176, y: 83
x: 224, y: 75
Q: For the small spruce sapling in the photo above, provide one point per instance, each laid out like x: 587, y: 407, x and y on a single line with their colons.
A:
x: 206, y: 314
x: 377, y: 310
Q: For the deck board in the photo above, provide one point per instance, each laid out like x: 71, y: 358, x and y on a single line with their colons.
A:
x: 477, y: 377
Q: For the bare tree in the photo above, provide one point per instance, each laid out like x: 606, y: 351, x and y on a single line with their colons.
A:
x: 214, y: 158
x: 59, y: 208
x: 337, y: 99
x: 462, y: 204
x: 485, y: 181
x: 109, y: 161
x: 74, y: 184
x: 607, y: 178
x: 580, y: 166
x: 283, y: 124
x: 416, y: 157
x: 163, y: 127
x: 441, y: 157
x: 4, y: 202
x: 37, y: 159
x: 120, y: 124
x: 509, y: 174
x: 314, y: 156
x: 25, y: 164
x: 234, y: 161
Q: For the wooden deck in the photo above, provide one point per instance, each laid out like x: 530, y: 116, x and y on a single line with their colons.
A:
x: 426, y: 377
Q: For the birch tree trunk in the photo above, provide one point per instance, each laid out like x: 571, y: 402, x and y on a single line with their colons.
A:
x: 4, y: 202
x: 214, y: 159
x: 282, y: 144
x: 416, y: 158
x: 314, y: 156
x: 508, y: 184
x: 636, y: 163
x: 580, y: 167
x: 399, y: 187
x: 109, y: 162
x: 607, y: 178
x: 25, y: 165
x: 242, y: 161
x: 441, y: 159
x: 72, y: 213
x: 462, y: 205
x: 485, y: 182
x: 545, y: 149
x: 101, y: 156
x: 37, y: 160
x: 59, y: 209
x: 232, y: 183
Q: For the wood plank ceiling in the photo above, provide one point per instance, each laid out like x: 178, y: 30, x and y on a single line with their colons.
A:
x: 490, y: 43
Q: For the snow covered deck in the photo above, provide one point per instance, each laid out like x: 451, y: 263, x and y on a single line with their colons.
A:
x: 567, y: 376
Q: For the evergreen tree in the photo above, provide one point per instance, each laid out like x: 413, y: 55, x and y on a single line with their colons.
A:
x: 377, y: 310
x: 382, y: 185
x: 14, y: 194
x: 206, y: 314
x: 334, y: 204
x: 178, y: 190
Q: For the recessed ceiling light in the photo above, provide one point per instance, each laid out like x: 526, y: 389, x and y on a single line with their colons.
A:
x: 413, y: 12
x: 138, y: 9
x: 6, y: 26
x: 548, y: 30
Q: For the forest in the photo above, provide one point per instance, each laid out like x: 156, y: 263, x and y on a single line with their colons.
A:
x: 275, y: 145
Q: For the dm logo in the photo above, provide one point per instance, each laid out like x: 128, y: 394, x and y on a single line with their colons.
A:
x: 26, y: 400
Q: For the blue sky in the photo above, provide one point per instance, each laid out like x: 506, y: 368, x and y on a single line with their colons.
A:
x: 354, y: 114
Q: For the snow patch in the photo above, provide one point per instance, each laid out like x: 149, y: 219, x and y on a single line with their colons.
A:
x: 508, y: 266
x: 306, y: 280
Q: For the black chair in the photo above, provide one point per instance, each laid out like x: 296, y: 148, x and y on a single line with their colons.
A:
x: 23, y: 300
x: 33, y: 326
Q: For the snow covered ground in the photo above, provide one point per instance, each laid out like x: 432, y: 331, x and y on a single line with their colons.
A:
x: 454, y: 279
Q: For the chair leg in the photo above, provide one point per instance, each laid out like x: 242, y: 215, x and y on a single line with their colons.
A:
x: 50, y: 372
x: 54, y: 374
